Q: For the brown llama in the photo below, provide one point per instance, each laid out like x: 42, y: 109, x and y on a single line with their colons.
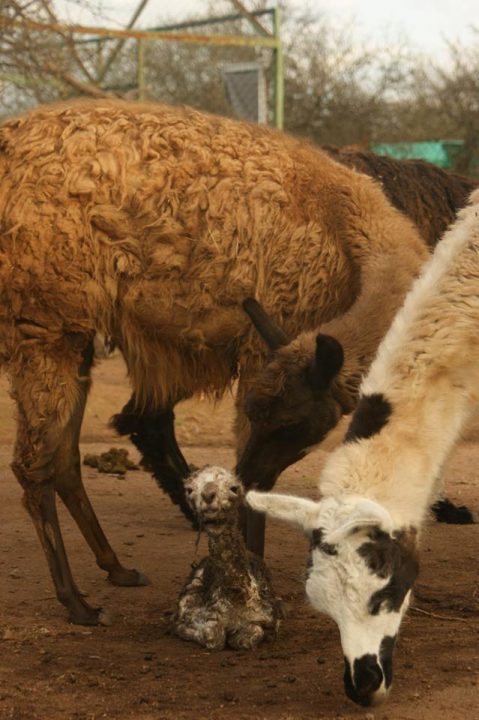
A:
x: 279, y: 432
x: 151, y: 225
x: 430, y: 197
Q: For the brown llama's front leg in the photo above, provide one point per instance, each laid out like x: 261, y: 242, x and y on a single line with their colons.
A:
x: 153, y: 434
x: 69, y: 485
x: 197, y: 618
x: 45, y: 387
x: 253, y: 524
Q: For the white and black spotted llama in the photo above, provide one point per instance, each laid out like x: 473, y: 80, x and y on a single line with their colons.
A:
x: 228, y: 599
x: 377, y: 486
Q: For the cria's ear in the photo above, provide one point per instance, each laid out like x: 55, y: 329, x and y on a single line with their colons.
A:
x: 327, y: 363
x: 366, y: 513
x: 298, y: 511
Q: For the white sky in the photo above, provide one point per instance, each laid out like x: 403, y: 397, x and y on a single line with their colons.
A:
x: 426, y: 24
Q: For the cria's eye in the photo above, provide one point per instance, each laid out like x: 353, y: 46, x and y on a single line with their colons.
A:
x: 189, y: 491
x: 234, y: 489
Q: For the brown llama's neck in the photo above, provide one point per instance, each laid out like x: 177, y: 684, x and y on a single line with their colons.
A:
x: 385, y: 283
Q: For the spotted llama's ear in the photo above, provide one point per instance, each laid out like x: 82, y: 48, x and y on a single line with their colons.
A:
x: 301, y: 512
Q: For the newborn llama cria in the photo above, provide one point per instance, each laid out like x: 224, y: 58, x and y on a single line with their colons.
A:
x: 228, y: 599
x: 377, y: 486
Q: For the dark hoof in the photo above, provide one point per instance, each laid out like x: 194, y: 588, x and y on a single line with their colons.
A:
x: 90, y: 616
x: 127, y: 578
x: 446, y: 512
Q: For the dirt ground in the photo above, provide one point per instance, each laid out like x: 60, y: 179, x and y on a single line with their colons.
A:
x: 134, y: 669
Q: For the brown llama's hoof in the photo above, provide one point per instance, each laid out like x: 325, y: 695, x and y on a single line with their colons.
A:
x: 127, y: 578
x: 90, y: 616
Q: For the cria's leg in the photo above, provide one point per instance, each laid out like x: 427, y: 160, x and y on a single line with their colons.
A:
x: 204, y: 630
x: 153, y: 433
x: 246, y: 637
x: 45, y: 387
x: 195, y: 620
x: 69, y: 485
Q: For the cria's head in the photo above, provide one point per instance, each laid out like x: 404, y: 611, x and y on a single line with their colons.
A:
x: 214, y: 495
x: 361, y: 571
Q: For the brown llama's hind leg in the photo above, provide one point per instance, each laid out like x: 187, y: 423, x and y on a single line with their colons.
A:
x: 69, y: 485
x: 39, y: 500
x: 45, y: 385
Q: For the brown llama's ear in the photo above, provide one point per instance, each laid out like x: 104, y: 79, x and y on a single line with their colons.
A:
x: 327, y: 362
x: 268, y: 330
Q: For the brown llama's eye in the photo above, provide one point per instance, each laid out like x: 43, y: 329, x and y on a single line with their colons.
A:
x: 189, y: 490
x: 234, y: 489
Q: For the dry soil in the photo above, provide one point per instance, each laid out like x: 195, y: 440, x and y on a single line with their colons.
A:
x: 135, y: 670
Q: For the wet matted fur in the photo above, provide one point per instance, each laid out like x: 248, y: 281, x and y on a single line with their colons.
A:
x: 228, y: 599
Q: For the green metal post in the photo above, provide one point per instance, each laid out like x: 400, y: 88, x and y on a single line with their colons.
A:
x: 278, y: 72
x: 99, y: 54
x: 140, y: 45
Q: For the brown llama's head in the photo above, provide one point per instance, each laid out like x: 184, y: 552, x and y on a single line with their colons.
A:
x: 293, y: 402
